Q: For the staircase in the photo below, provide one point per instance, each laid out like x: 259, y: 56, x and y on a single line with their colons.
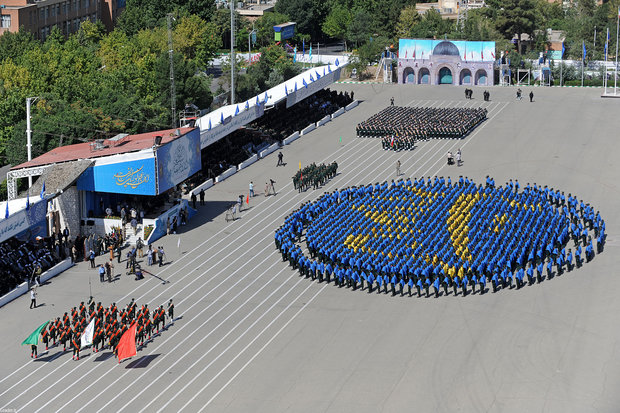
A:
x: 131, y: 237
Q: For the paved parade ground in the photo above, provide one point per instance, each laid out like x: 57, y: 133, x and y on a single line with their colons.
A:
x: 251, y: 335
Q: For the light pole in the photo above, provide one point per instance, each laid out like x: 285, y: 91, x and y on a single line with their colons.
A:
x: 29, y: 102
x: 173, y: 97
x: 232, y: 51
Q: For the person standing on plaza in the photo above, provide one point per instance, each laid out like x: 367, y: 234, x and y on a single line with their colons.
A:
x: 458, y: 157
x: 531, y: 96
x: 102, y: 271
x: 149, y: 255
x: 251, y: 189
x: 193, y: 200
x: 398, y: 168
x: 33, y: 298
x: 280, y: 159
x: 202, y: 197
x: 161, y: 253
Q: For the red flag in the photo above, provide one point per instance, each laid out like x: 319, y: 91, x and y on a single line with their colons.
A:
x: 405, y: 54
x: 127, y: 344
x: 247, y: 199
x: 414, y: 53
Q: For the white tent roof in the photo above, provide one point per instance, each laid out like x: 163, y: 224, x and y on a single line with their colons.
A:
x: 271, y: 97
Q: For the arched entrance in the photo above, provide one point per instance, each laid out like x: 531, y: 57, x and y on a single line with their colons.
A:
x: 481, y: 77
x: 444, y: 76
x: 408, y: 75
x: 465, y: 77
x: 424, y: 76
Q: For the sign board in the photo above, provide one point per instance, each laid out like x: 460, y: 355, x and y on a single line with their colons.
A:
x: 178, y: 160
x: 468, y: 51
x: 313, y: 87
x: 207, y: 137
x: 135, y: 177
x: 284, y: 31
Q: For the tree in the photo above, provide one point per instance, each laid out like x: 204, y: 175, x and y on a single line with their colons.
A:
x: 264, y: 27
x: 514, y: 17
x: 337, y: 23
x: 432, y: 25
x: 409, y: 17
x: 308, y: 14
x: 360, y: 29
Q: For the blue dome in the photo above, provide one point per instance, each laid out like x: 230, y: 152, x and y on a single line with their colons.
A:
x: 446, y: 48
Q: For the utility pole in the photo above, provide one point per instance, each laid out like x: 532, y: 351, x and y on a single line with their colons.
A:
x: 173, y: 94
x: 232, y: 51
x: 29, y: 102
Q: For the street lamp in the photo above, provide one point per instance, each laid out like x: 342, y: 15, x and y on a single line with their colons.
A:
x: 29, y: 102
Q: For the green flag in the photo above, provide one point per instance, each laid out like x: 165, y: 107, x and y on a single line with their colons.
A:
x: 34, y: 337
x: 341, y: 139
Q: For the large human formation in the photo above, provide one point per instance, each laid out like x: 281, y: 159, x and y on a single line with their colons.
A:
x: 439, y: 237
x: 109, y: 326
x: 314, y: 175
x: 400, y: 127
x: 20, y: 261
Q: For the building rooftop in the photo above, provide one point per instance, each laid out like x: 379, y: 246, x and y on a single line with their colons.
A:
x: 97, y: 149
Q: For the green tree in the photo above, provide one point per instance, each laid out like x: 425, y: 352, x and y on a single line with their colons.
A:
x: 514, y: 18
x: 308, y: 14
x: 408, y: 18
x: 360, y: 29
x: 432, y: 25
x: 337, y: 23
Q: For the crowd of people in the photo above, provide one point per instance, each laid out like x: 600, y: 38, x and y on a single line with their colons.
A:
x: 314, y: 175
x: 437, y: 236
x: 274, y: 126
x: 400, y: 127
x: 24, y: 262
x: 109, y: 325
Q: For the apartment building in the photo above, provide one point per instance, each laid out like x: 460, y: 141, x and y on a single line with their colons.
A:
x: 41, y: 16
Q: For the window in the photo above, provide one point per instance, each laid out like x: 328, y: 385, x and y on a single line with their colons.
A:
x: 58, y: 9
x: 53, y: 11
x: 64, y: 8
x: 86, y: 4
x: 41, y: 14
x: 5, y: 21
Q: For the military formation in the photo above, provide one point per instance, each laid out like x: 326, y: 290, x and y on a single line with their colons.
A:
x: 400, y: 127
x: 314, y: 175
x: 110, y: 323
x: 438, y: 237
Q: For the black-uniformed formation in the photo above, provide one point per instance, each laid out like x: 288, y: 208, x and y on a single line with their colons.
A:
x: 314, y: 175
x: 439, y: 237
x: 399, y: 127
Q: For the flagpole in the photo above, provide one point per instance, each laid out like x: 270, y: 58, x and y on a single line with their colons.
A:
x: 583, y: 59
x: 616, y: 67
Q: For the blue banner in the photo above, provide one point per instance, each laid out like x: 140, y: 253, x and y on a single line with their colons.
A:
x: 135, y: 177
x: 178, y: 160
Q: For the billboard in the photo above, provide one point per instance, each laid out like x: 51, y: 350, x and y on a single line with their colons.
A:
x: 178, y: 160
x: 284, y: 31
x: 135, y: 177
x: 426, y: 48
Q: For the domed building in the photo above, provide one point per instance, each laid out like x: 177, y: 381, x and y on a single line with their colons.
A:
x: 444, y: 62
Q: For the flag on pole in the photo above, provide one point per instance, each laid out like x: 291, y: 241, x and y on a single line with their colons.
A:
x: 222, y: 117
x: 43, y: 191
x: 303, y: 45
x: 305, y: 84
x: 27, y: 201
x: 295, y: 54
x: 127, y: 345
x: 237, y: 110
x: 311, y: 78
x: 266, y: 97
x: 285, y: 90
x: 247, y: 105
x: 87, y: 336
x: 337, y: 62
x: 209, y: 123
x: 295, y: 86
x: 563, y: 50
x: 33, y: 339
x: 6, y: 214
x: 584, y: 50
x: 607, y: 44
x: 247, y: 199
x: 310, y: 53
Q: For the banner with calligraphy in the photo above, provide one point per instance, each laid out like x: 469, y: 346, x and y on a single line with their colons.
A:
x: 136, y: 177
x: 178, y: 160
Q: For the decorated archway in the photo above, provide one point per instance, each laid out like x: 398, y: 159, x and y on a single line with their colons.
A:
x: 408, y: 75
x: 465, y: 77
x: 444, y: 76
x: 424, y: 76
x: 481, y: 77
